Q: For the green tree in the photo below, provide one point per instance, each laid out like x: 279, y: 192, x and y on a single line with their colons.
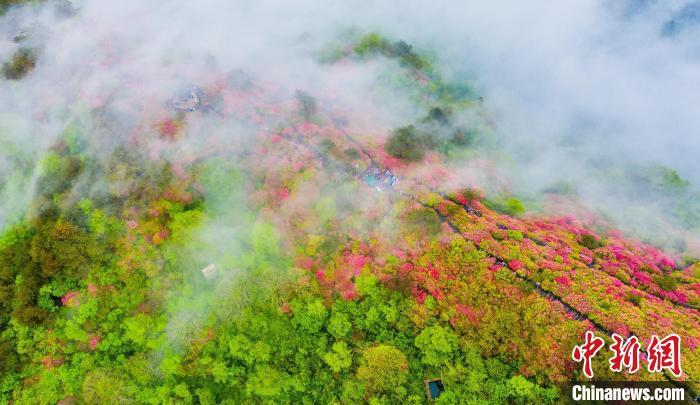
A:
x: 339, y: 358
x: 266, y: 382
x: 407, y: 143
x: 521, y: 389
x: 339, y: 325
x: 423, y: 221
x: 383, y: 369
x: 311, y: 315
x: 307, y: 104
x: 103, y: 387
x: 437, y: 345
x: 22, y: 62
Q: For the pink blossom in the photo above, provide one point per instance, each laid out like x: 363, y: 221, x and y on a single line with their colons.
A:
x: 569, y: 315
x: 494, y: 268
x: 460, y: 199
x: 391, y: 162
x: 586, y: 258
x: 320, y: 275
x: 357, y: 262
x: 92, y: 289
x: 308, y: 129
x: 168, y: 128
x: 420, y: 296
x: 94, y: 341
x: 563, y: 280
x: 550, y: 265
x: 305, y: 263
x: 475, y: 237
x: 613, y: 233
x: 282, y: 193
x: 516, y: 265
x: 350, y: 293
x: 50, y: 362
x: 621, y: 329
x: 442, y: 208
x: 286, y: 308
x: 70, y: 299
x: 665, y: 261
x: 468, y: 312
x: 179, y: 170
x: 676, y: 296
x: 643, y: 278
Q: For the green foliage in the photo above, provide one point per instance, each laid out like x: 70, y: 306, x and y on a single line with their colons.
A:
x: 666, y: 180
x: 339, y: 325
x: 489, y: 380
x: 21, y: 63
x: 437, y: 345
x: 561, y: 187
x: 48, y: 293
x: 54, y: 252
x: 224, y: 190
x: 58, y: 173
x: 665, y: 188
x: 372, y: 42
x: 666, y: 282
x: 339, y: 358
x: 521, y: 389
x: 103, y: 387
x: 439, y: 115
x: 307, y: 104
x: 408, y: 143
x: 352, y: 153
x: 375, y: 43
x: 633, y: 298
x: 462, y: 137
x: 266, y: 382
x: 423, y: 221
x: 505, y: 204
x: 515, y: 235
x: 62, y: 248
x: 99, y: 223
x: 325, y: 208
x: 327, y: 145
x: 383, y: 369
x: 264, y: 239
x: 591, y: 242
x: 310, y: 315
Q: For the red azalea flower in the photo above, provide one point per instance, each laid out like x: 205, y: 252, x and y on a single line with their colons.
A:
x: 516, y: 265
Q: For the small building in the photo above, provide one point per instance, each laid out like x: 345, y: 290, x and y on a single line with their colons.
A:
x: 373, y: 176
x: 189, y: 99
x: 433, y: 388
x: 210, y: 272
